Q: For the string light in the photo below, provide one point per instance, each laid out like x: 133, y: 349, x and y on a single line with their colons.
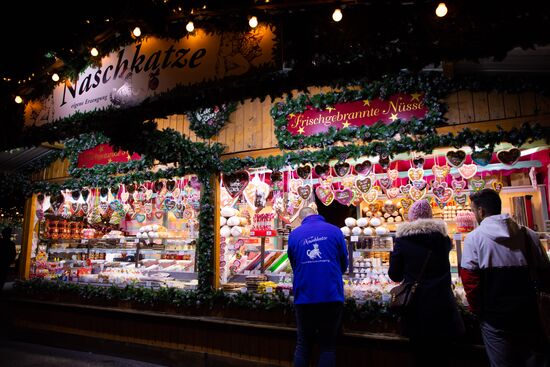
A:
x: 441, y: 10
x: 190, y: 27
x: 94, y: 52
x: 136, y: 32
x: 18, y: 100
x: 253, y: 22
x: 55, y: 77
x: 337, y: 15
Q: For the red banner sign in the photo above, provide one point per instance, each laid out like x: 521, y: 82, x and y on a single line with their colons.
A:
x: 104, y: 154
x: 359, y: 113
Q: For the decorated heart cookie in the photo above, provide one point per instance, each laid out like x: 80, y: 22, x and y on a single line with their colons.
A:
x: 482, y: 157
x: 344, y: 196
x: 393, y: 174
x: 304, y: 172
x: 325, y: 194
x: 363, y: 184
x: 363, y: 168
x: 342, y: 169
x: 509, y: 157
x: 456, y: 157
x: 417, y: 194
x: 385, y: 182
x: 235, y: 182
x: 384, y: 162
x: 392, y: 192
x: 497, y: 185
x: 443, y: 194
x: 477, y: 185
x: 460, y: 199
x: 415, y: 174
x: 294, y: 184
x: 440, y: 172
x: 458, y: 185
x: 322, y: 170
x: 418, y: 162
x: 406, y: 204
x: 467, y: 171
x: 419, y: 184
x: 405, y: 189
x: 371, y: 196
x: 304, y: 191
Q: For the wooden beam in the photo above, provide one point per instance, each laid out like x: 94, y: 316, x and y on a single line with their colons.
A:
x: 506, y: 124
x: 26, y: 241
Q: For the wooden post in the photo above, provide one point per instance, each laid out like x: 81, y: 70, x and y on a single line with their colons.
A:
x: 215, y: 183
x: 27, y: 237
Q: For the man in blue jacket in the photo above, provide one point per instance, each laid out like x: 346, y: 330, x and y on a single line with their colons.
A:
x: 318, y: 255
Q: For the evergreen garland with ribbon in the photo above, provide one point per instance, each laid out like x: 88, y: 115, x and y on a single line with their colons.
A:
x: 207, y: 122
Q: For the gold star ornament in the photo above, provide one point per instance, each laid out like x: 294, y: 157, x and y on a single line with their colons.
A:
x: 330, y: 109
x: 346, y: 124
x: 393, y: 117
x: 301, y: 130
x: 415, y: 97
x: 366, y: 102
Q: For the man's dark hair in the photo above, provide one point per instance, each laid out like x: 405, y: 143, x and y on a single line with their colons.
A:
x: 487, y: 199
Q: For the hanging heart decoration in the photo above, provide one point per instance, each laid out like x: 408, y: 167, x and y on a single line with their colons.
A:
x: 456, y: 157
x: 458, y: 185
x: 418, y: 162
x: 417, y: 194
x: 348, y: 181
x: 124, y: 197
x: 363, y: 168
x: 140, y: 218
x: 385, y: 182
x: 509, y: 157
x: 342, y: 169
x: 325, y: 194
x: 405, y: 189
x: 392, y: 192
x: 370, y: 196
x: 159, y: 214
x: 148, y: 194
x: 276, y: 176
x: 460, y: 199
x: 477, y: 185
x: 419, y: 184
x: 467, y: 171
x: 497, y: 186
x: 443, y: 194
x: 389, y: 208
x: 294, y: 184
x: 440, y: 172
x: 482, y: 157
x: 322, y: 170
x: 357, y: 198
x: 169, y: 204
x: 393, y: 174
x: 363, y: 184
x: 415, y: 173
x: 374, y: 207
x: 344, y: 196
x: 406, y: 204
x: 235, y: 182
x: 304, y: 172
x: 384, y: 161
x: 304, y: 191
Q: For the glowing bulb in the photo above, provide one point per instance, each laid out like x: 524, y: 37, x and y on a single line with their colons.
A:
x: 253, y: 22
x: 190, y: 27
x: 337, y: 15
x: 441, y: 10
x: 94, y: 52
x: 55, y: 77
x: 18, y: 100
x: 136, y: 32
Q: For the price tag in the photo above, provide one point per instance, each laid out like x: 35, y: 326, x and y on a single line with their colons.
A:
x: 269, y: 289
x: 354, y: 238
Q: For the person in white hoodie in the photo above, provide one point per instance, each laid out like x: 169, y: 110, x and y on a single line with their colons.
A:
x: 496, y: 278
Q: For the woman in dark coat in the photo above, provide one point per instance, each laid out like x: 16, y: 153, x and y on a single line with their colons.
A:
x: 432, y: 322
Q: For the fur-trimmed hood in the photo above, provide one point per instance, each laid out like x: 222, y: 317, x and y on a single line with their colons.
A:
x: 422, y: 226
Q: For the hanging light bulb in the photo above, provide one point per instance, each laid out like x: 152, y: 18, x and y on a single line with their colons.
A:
x: 190, y: 27
x: 441, y: 10
x: 18, y: 100
x: 136, y: 32
x: 55, y: 77
x: 94, y: 52
x: 337, y: 15
x: 253, y: 22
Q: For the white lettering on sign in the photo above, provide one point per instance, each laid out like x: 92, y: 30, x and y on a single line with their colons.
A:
x: 142, y: 70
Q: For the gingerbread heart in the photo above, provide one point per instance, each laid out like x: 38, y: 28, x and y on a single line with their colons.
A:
x: 385, y: 182
x: 440, y: 172
x: 456, y: 157
x: 374, y: 207
x: 389, y: 208
x: 461, y: 199
x: 443, y: 194
x: 322, y: 170
x: 393, y: 174
x: 419, y: 184
x: 159, y: 215
x: 467, y: 171
x: 169, y: 204
x: 477, y: 185
x: 384, y: 161
x: 140, y: 218
x: 325, y: 194
x: 344, y: 196
x: 417, y: 194
x: 415, y: 173
x: 304, y: 192
x: 392, y: 192
x: 497, y: 186
x: 405, y: 189
x: 342, y: 169
x: 235, y: 182
x: 304, y: 172
x: 418, y: 162
x: 406, y: 204
x: 363, y: 168
x: 124, y: 196
x: 294, y: 184
x: 482, y: 157
x: 276, y: 176
x: 458, y: 185
x: 363, y: 184
x: 370, y: 196
x: 509, y: 157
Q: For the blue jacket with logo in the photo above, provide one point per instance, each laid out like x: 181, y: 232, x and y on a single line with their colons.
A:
x: 318, y: 255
